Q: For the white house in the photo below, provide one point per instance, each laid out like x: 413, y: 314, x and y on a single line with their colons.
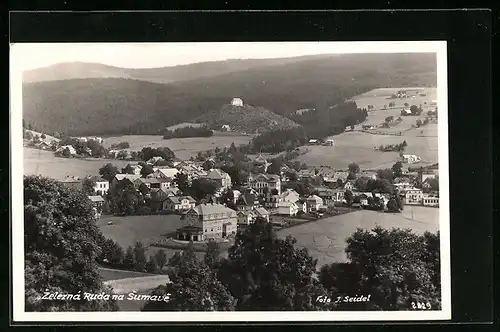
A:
x: 411, y: 158
x: 101, y: 186
x: 260, y: 182
x: 71, y: 149
x: 136, y: 169
x: 237, y: 102
x: 226, y: 128
x: 349, y: 185
x: 208, y: 221
x: 412, y: 196
x: 177, y: 204
x: 220, y: 177
x: 287, y: 209
x: 314, y: 203
x: 164, y: 173
x: 430, y: 200
x: 330, y: 142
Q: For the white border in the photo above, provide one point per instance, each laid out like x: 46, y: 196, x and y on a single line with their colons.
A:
x: 19, y: 315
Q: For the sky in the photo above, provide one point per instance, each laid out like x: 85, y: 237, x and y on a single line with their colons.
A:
x: 151, y: 55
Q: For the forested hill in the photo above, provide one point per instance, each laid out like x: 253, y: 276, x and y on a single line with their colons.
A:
x: 126, y: 106
x: 79, y: 70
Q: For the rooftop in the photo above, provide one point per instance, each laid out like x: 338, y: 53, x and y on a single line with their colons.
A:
x: 206, y: 209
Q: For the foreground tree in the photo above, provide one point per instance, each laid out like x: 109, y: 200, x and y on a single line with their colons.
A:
x: 161, y: 259
x: 61, y: 248
x: 88, y: 186
x: 194, y: 287
x: 264, y: 272
x: 397, y: 267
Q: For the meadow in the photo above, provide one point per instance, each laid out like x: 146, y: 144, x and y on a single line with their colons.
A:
x: 184, y: 148
x: 44, y: 163
x: 358, y: 147
x: 325, y: 239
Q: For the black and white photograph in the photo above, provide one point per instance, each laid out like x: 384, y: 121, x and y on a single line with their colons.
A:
x: 230, y: 181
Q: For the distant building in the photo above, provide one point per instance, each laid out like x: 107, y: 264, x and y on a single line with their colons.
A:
x: 261, y: 163
x: 260, y: 182
x: 72, y: 182
x: 313, y: 141
x: 164, y: 173
x: 225, y: 128
x: 97, y: 203
x: 208, y: 221
x: 287, y: 209
x: 329, y: 142
x: 314, y: 203
x: 178, y: 203
x: 220, y: 177
x: 430, y: 200
x: 71, y: 149
x: 412, y: 196
x: 136, y: 169
x: 237, y: 102
x: 101, y: 186
x: 410, y: 158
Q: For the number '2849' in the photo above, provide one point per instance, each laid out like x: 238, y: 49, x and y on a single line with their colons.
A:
x: 421, y: 306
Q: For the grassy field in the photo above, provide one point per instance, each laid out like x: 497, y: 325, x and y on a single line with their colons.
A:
x: 183, y: 148
x: 147, y: 229
x: 325, y: 239
x: 108, y: 274
x: 40, y: 162
x: 359, y: 147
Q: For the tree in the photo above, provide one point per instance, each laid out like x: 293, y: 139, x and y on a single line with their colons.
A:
x: 124, y: 198
x: 362, y: 183
x: 397, y: 169
x: 181, y: 180
x: 161, y: 259
x: 61, y: 247
x: 292, y: 176
x: 108, y: 172
x: 88, y: 186
x: 129, y: 259
x: 349, y: 197
x: 264, y: 272
x: 128, y: 169
x: 151, y: 266
x: 139, y: 256
x: 112, y: 253
x: 406, y: 104
x: 418, y: 123
x: 385, y: 174
x: 389, y: 119
x: 353, y: 168
x: 211, y: 258
x: 146, y: 170
x: 201, y: 188
x: 43, y: 136
x: 27, y: 135
x: 275, y: 167
x: 30, y: 127
x: 397, y: 267
x: 208, y: 165
x: 194, y: 287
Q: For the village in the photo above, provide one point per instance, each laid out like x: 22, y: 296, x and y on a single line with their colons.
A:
x: 262, y: 194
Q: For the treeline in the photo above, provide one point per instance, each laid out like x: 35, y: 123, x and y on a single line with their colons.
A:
x: 326, y: 121
x: 185, y: 132
x: 120, y: 146
x: 393, y: 147
x: 318, y: 124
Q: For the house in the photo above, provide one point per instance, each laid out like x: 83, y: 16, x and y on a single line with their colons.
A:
x: 159, y: 195
x: 225, y: 128
x: 313, y: 141
x: 61, y: 149
x: 287, y: 209
x: 363, y: 198
x: 260, y: 212
x: 121, y: 177
x: 367, y: 127
x: 164, y: 173
x: 245, y: 218
x: 97, y: 203
x: 301, y: 205
x: 178, y: 203
x: 336, y: 176
x: 101, y: 186
x: 329, y: 142
x: 349, y: 185
x: 368, y: 174
x: 263, y: 183
x: 72, y: 182
x: 237, y: 102
x: 412, y: 196
x: 328, y: 195
x: 410, y: 158
x: 154, y: 160
x: 430, y: 200
x: 154, y: 183
x: 289, y: 195
x: 247, y: 202
x: 305, y: 174
x: 236, y: 195
x: 135, y: 169
x: 314, y: 203
x: 406, y: 111
x: 220, y: 177
x: 261, y: 163
x: 208, y: 221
